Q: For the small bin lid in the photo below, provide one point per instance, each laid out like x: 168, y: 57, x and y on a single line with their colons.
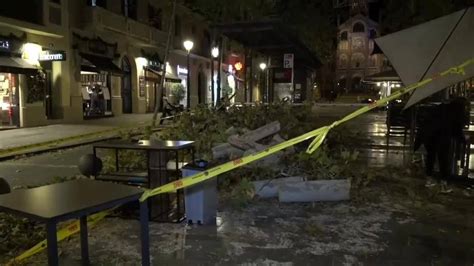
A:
x: 199, y: 165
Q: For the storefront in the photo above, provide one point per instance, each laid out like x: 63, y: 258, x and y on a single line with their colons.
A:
x: 19, y: 79
x: 149, y: 77
x: 96, y: 71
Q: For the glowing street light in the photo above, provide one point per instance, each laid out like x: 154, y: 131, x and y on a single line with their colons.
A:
x: 188, y: 45
x: 263, y: 66
x: 215, y: 52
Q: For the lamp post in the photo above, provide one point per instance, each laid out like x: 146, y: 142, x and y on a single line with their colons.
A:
x: 214, y: 54
x: 188, y: 45
x: 263, y: 67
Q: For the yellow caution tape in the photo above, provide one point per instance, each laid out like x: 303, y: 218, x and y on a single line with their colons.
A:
x: 62, y: 234
x: 319, y: 136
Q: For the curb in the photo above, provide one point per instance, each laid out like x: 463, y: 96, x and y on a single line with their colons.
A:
x: 68, y: 142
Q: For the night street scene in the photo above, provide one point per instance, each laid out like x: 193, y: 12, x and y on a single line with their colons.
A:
x: 245, y: 132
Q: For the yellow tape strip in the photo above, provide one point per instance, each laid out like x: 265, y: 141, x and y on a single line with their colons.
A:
x: 62, y: 234
x: 319, y: 135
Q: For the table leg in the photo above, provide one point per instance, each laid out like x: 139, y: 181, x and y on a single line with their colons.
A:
x: 52, y: 240
x: 84, y: 241
x: 145, y: 237
x: 116, y: 160
x: 178, y: 207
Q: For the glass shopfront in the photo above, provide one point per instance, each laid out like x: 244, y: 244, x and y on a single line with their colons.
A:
x: 95, y: 94
x: 152, y: 85
x: 9, y: 100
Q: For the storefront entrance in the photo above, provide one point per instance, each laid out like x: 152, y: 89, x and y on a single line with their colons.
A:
x: 9, y: 100
x: 126, y: 87
x: 96, y: 75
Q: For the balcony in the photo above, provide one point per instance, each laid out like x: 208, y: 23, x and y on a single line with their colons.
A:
x: 99, y: 18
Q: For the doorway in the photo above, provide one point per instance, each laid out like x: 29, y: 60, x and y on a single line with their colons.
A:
x: 126, y: 86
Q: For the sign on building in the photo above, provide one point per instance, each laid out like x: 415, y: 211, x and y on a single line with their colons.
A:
x: 288, y: 60
x: 50, y: 55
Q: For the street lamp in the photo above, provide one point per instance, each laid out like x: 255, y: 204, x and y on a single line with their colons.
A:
x: 215, y: 52
x: 188, y: 45
x: 263, y: 66
x: 214, y: 55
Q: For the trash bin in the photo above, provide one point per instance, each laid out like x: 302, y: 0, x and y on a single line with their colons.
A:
x: 200, y: 200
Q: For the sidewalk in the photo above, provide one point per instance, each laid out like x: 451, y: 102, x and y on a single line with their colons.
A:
x: 30, y: 140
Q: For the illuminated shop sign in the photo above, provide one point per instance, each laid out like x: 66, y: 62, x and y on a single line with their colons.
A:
x: 4, y: 45
x: 182, y: 70
x: 50, y: 55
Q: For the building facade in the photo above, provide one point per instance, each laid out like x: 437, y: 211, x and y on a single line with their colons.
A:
x: 66, y: 61
x: 355, y: 60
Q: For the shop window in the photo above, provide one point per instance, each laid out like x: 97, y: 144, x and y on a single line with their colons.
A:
x: 55, y: 15
x: 96, y: 95
x: 344, y: 36
x: 155, y: 17
x: 36, y: 85
x: 358, y: 27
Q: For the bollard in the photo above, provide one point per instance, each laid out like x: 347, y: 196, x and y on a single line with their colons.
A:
x: 4, y: 187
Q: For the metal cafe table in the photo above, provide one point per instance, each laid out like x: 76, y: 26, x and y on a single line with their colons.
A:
x: 163, y: 208
x: 52, y: 204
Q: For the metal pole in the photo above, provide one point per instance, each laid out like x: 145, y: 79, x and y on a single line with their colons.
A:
x: 212, y: 81
x: 188, y: 84
x: 219, y: 70
x: 250, y: 65
x: 168, y: 45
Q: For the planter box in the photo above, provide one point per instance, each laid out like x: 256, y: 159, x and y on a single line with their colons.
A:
x: 311, y: 191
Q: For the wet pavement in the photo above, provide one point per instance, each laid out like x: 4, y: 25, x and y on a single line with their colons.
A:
x: 394, y: 221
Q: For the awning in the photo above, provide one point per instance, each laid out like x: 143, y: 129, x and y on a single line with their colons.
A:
x: 425, y: 50
x: 169, y: 76
x: 16, y: 65
x: 100, y: 64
